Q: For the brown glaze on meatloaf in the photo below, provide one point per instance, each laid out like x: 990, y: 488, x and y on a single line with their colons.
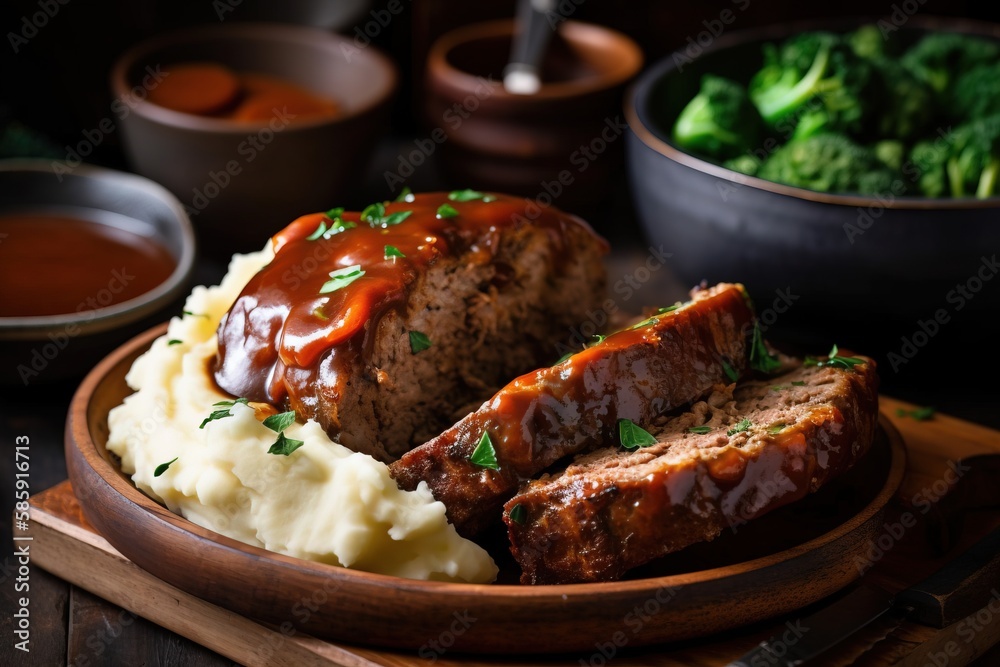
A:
x: 490, y: 289
x: 613, y: 510
x: 663, y: 363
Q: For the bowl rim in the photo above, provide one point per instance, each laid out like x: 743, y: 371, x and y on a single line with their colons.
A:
x: 259, y: 31
x: 638, y: 118
x: 125, y: 312
x: 629, y: 60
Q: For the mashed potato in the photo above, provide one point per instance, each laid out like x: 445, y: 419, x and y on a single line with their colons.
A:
x: 323, y: 502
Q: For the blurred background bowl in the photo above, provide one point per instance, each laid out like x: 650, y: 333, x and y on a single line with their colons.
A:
x: 53, y: 347
x: 865, y: 288
x: 242, y: 181
x: 496, y: 140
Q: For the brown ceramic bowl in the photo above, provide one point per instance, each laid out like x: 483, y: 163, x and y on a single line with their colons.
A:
x: 46, y: 348
x: 240, y: 181
x: 496, y: 140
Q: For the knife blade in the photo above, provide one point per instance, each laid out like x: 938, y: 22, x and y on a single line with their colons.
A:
x: 955, y: 591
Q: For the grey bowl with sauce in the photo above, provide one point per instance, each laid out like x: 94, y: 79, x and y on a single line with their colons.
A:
x: 42, y: 348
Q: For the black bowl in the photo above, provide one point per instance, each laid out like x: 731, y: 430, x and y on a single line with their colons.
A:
x: 869, y: 269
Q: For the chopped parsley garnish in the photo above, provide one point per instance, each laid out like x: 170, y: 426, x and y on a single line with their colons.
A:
x: 644, y: 323
x: 484, y: 455
x: 777, y: 428
x: 677, y: 305
x: 447, y: 211
x: 700, y: 430
x: 598, y: 339
x: 760, y: 358
x: 224, y: 412
x: 730, y: 371
x: 632, y: 435
x: 834, y: 360
x: 280, y: 422
x: 741, y: 427
x: 779, y: 387
x: 284, y: 446
x: 405, y: 195
x: 419, y: 342
x: 799, y: 383
x: 920, y: 414
x: 518, y: 514
x: 336, y: 225
x: 188, y: 312
x: 162, y: 468
x: 375, y: 216
x: 392, y: 251
x: 174, y: 341
x: 470, y: 195
x: 564, y: 358
x: 341, y: 278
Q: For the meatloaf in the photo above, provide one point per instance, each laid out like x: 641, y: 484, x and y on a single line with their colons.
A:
x: 730, y: 458
x: 661, y: 363
x: 383, y: 324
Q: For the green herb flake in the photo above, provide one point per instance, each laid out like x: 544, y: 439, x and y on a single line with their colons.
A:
x: 777, y: 428
x: 799, y: 383
x: 484, y: 455
x: 730, y: 371
x: 669, y: 309
x: 188, y: 312
x: 470, y: 195
x: 447, y: 211
x: 760, y: 358
x: 919, y: 414
x: 396, y: 218
x: 335, y: 213
x: 564, y: 358
x: 518, y: 514
x: 597, y: 339
x: 223, y: 413
x: 644, y: 323
x: 834, y: 360
x: 633, y: 436
x: 162, y: 468
x: 405, y: 195
x: 280, y: 422
x: 320, y: 230
x: 373, y: 214
x: 392, y: 251
x: 419, y: 342
x: 778, y: 387
x: 284, y: 446
x: 174, y: 341
x: 742, y: 426
x: 341, y: 278
x: 700, y: 430
x: 320, y: 314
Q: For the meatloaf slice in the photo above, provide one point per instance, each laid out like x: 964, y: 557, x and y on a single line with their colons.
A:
x: 381, y: 325
x: 730, y: 458
x: 662, y: 363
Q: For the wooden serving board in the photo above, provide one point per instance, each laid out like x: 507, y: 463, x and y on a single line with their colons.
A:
x: 67, y: 546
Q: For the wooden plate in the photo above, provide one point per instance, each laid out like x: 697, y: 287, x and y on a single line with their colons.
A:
x: 781, y: 562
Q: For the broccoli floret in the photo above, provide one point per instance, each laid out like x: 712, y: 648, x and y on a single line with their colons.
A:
x: 891, y: 153
x: 720, y: 121
x: 828, y: 163
x: 745, y: 164
x: 868, y: 42
x: 815, y: 74
x: 977, y: 93
x: 974, y: 159
x: 905, y: 104
x: 930, y: 160
x: 966, y: 165
x: 939, y: 58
